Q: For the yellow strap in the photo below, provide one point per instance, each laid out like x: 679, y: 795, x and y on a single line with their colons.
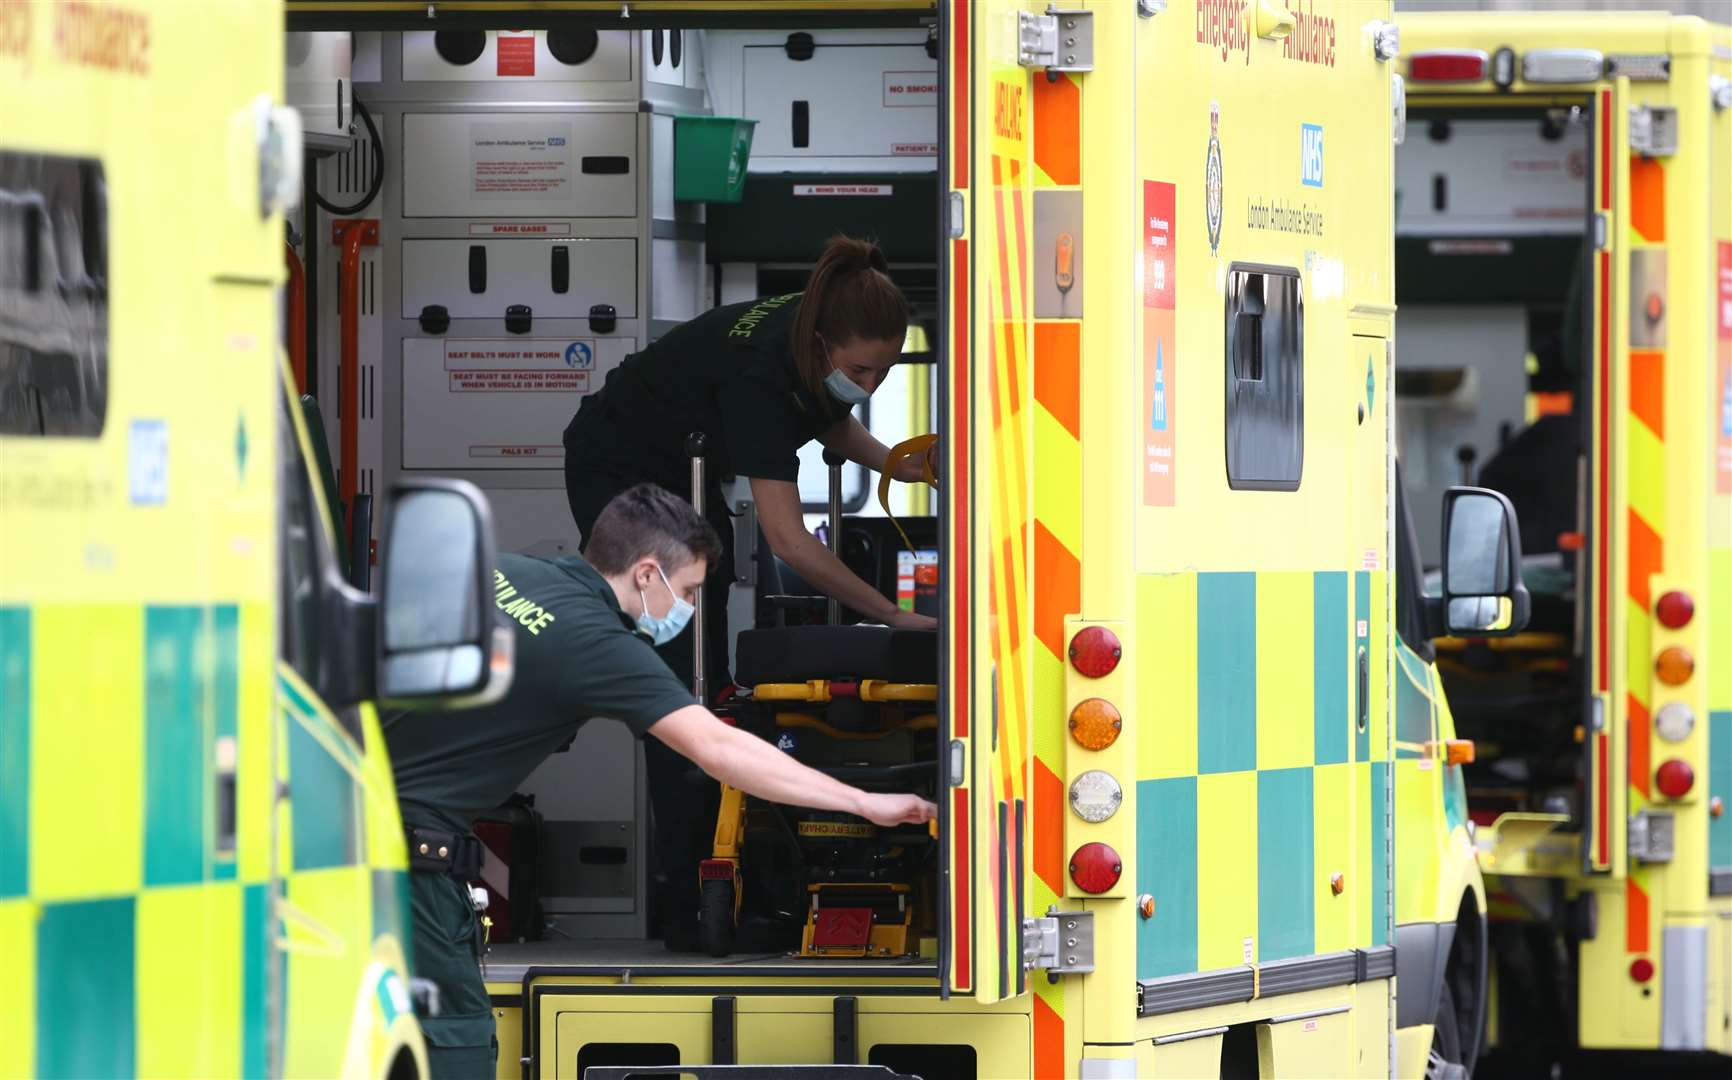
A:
x: 907, y: 448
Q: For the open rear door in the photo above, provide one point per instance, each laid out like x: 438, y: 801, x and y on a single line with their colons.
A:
x: 987, y: 417
x: 1618, y: 544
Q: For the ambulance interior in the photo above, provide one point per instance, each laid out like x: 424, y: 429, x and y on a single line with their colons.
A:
x: 536, y: 204
x: 1492, y: 388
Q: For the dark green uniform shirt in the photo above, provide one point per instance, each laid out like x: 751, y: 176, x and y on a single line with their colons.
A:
x: 578, y: 656
x: 728, y: 373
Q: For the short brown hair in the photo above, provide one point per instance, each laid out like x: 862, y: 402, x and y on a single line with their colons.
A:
x: 650, y: 520
x: 849, y: 295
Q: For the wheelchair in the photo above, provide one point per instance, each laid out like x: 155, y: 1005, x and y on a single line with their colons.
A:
x: 858, y: 703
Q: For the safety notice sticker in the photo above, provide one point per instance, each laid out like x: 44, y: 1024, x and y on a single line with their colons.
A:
x: 910, y: 89
x: 516, y: 55
x: 520, y: 160
x: 1160, y: 267
x: 845, y: 190
x: 495, y: 367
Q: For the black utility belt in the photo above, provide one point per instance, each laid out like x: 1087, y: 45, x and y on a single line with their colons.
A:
x: 456, y: 855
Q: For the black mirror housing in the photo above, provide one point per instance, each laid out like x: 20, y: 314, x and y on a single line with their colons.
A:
x: 1483, y: 592
x: 440, y: 641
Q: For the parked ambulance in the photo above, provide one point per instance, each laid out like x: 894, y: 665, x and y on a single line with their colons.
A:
x: 1563, y: 261
x: 202, y: 869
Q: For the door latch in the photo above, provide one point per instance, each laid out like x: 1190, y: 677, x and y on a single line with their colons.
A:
x: 1056, y: 40
x: 1061, y: 942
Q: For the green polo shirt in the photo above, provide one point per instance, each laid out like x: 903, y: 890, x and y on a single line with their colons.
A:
x: 578, y: 656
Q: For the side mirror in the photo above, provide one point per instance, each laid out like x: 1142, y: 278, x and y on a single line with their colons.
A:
x: 441, y: 643
x: 1483, y: 594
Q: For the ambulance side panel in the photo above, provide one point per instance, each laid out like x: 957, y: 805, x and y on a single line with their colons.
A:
x: 142, y: 909
x: 1255, y: 415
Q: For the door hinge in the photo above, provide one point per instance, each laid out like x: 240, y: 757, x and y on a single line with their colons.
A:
x: 1654, y: 130
x: 1056, y: 40
x: 1649, y: 838
x: 1061, y: 942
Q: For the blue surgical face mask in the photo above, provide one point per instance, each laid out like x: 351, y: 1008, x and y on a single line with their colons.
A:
x: 841, y: 387
x: 665, y: 629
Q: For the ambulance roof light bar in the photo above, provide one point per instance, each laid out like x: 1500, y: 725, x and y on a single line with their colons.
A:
x: 1563, y: 66
x: 1448, y: 65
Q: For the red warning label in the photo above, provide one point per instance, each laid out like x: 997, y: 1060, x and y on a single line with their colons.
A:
x: 910, y: 89
x: 516, y: 55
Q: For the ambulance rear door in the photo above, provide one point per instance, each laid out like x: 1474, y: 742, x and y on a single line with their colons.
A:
x: 986, y: 511
x: 1616, y: 543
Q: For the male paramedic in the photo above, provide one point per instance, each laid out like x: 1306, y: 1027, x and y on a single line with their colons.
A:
x: 585, y: 648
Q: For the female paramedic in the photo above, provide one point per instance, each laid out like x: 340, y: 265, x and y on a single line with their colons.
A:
x: 760, y: 380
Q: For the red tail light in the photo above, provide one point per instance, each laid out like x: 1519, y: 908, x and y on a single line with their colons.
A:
x: 1675, y: 610
x: 1641, y: 969
x: 1095, y: 652
x: 1095, y: 868
x: 1448, y: 65
x: 1675, y: 778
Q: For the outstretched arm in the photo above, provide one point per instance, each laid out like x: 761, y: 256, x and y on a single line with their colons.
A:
x: 744, y: 761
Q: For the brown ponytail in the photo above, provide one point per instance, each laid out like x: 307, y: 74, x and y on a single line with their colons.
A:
x: 849, y: 296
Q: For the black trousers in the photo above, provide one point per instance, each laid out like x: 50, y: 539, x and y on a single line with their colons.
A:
x: 683, y: 802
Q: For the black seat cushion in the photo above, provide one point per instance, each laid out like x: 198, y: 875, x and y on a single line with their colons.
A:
x: 792, y: 654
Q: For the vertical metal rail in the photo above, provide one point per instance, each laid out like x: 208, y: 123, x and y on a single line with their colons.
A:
x: 834, y: 461
x: 695, y: 447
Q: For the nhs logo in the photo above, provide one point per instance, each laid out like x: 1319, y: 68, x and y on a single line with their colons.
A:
x: 1311, y: 154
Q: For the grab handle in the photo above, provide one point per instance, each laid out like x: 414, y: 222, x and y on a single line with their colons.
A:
x: 695, y: 447
x: 835, y: 462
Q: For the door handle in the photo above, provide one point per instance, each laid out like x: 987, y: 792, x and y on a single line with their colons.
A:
x: 1364, y: 688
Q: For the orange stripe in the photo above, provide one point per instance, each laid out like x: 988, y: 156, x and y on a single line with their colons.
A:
x: 1648, y: 389
x: 1646, y: 558
x: 1058, y: 373
x: 1635, y: 917
x: 1048, y: 827
x: 1057, y: 142
x: 1058, y: 588
x: 1640, y: 732
x: 1048, y: 1038
x: 1647, y: 198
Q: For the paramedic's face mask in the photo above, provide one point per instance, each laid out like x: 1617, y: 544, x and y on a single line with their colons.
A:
x: 663, y: 628
x: 858, y: 368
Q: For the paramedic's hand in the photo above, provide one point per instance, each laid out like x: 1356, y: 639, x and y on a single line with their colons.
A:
x: 888, y: 810
x: 908, y: 620
x: 912, y: 470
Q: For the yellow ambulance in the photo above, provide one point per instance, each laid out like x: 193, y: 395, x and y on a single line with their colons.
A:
x: 201, y: 861
x: 1563, y: 262
x: 1201, y: 798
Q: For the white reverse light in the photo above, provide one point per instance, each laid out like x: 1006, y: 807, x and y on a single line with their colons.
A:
x: 1095, y: 796
x: 1674, y: 721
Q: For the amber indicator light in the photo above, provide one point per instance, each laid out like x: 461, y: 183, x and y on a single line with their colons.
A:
x: 1095, y: 724
x: 1675, y: 665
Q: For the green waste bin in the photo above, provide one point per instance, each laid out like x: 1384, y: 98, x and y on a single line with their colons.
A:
x: 710, y: 154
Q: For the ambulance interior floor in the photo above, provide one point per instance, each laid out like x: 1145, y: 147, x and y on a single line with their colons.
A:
x: 509, y: 962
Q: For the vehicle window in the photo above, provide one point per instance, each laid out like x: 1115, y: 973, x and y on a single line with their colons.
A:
x: 300, y: 557
x: 53, y: 296
x: 1265, y: 365
x: 1409, y: 579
